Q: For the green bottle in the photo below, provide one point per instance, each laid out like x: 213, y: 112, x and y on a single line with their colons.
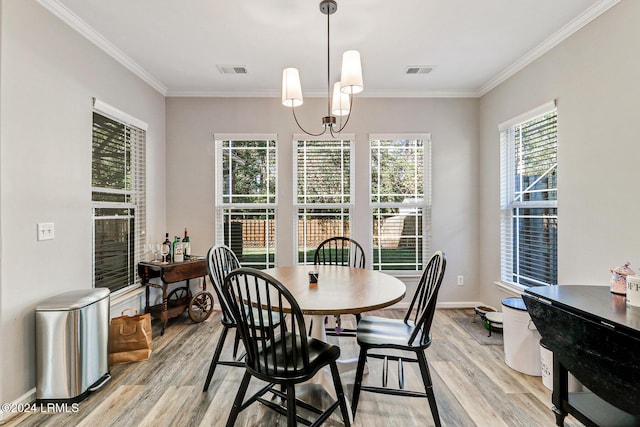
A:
x: 186, y: 245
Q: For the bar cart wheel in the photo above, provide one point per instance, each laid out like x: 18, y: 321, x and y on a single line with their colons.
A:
x: 201, y: 306
x: 178, y: 296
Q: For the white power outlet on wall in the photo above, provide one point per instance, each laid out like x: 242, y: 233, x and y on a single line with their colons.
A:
x: 45, y: 231
x: 460, y: 280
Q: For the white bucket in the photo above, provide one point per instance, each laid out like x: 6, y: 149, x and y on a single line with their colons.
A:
x: 521, y: 338
x: 546, y: 367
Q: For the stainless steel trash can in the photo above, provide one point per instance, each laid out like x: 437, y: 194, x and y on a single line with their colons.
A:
x: 72, y: 345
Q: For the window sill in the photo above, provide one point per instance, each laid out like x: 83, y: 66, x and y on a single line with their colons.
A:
x: 126, y: 294
x: 510, y: 287
x: 400, y: 274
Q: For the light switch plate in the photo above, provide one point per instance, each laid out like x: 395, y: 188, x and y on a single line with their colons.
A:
x: 45, y: 231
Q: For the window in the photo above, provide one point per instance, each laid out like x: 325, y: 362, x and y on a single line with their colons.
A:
x: 529, y: 190
x: 400, y: 201
x: 118, y: 201
x: 323, y: 192
x: 246, y: 197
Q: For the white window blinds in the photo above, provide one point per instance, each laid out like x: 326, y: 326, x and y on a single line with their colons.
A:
x: 324, y: 192
x: 529, y: 198
x: 246, y: 188
x: 400, y: 201
x: 119, y: 202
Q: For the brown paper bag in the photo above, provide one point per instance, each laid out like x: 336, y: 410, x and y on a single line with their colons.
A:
x: 130, y: 338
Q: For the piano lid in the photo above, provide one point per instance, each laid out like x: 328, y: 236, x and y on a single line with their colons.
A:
x: 595, y: 302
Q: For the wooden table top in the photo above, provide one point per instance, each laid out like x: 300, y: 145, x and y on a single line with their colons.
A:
x: 340, y: 290
x: 173, y: 271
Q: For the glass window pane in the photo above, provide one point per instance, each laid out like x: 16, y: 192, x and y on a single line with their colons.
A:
x: 250, y: 233
x: 398, y: 239
x: 323, y: 172
x: 317, y: 225
x: 111, y: 164
x: 248, y: 171
x: 535, y: 146
x: 113, y: 248
x: 535, y: 248
x: 397, y: 170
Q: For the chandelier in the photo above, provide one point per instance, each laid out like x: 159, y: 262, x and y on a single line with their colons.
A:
x: 350, y: 83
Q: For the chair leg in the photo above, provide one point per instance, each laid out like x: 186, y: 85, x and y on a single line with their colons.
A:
x: 337, y: 384
x: 237, y: 403
x: 236, y: 342
x: 428, y: 386
x: 358, y: 381
x: 291, y: 406
x: 216, y: 357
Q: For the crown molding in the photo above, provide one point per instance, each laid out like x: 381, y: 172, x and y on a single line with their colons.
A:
x: 276, y: 94
x: 71, y: 19
x: 549, y: 43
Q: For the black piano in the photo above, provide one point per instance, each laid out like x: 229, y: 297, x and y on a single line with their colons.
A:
x: 594, y: 335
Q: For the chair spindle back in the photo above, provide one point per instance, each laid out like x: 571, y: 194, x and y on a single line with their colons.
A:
x: 340, y: 251
x: 272, y: 350
x: 220, y: 262
x: 423, y: 305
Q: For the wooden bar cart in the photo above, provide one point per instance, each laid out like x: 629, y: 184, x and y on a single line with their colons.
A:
x: 180, y: 299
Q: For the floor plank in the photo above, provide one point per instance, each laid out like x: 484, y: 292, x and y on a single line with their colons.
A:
x: 473, y: 386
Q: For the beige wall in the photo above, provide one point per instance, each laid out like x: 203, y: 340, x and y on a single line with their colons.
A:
x: 594, y: 77
x: 48, y: 77
x: 192, y: 122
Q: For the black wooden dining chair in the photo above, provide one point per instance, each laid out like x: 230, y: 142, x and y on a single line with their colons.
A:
x: 340, y: 251
x: 411, y: 334
x: 275, y: 354
x: 220, y: 262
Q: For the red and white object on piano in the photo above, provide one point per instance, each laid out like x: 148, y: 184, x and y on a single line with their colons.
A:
x: 619, y: 279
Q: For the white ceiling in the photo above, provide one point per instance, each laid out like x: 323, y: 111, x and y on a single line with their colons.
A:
x: 473, y: 45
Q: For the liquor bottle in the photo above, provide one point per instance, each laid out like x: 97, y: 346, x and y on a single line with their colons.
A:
x: 186, y: 245
x: 166, y: 249
x: 178, y: 255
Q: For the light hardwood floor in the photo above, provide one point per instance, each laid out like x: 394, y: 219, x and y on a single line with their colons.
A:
x: 473, y: 386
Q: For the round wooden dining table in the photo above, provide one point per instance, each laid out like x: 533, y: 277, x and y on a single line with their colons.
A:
x: 339, y: 290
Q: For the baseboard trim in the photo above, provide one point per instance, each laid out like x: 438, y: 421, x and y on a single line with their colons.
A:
x: 458, y: 304
x: 27, y: 398
x: 441, y: 305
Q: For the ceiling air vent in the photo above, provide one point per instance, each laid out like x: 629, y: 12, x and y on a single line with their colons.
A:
x: 232, y: 69
x: 420, y: 69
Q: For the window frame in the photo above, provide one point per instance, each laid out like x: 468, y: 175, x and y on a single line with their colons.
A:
x: 136, y: 205
x: 508, y: 197
x: 425, y: 205
x: 269, y: 207
x: 298, y: 206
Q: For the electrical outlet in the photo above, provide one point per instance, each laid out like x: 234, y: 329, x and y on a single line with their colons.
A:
x: 460, y: 280
x: 45, y: 231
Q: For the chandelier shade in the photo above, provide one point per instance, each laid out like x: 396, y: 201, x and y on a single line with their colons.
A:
x: 291, y: 88
x: 351, y: 75
x: 341, y: 103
